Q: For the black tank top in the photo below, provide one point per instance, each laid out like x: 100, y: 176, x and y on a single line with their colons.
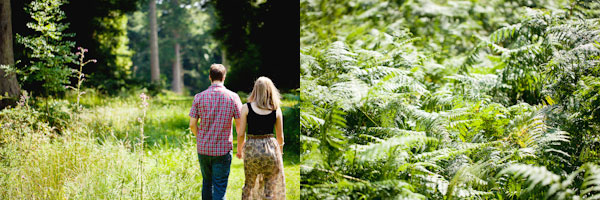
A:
x: 260, y: 124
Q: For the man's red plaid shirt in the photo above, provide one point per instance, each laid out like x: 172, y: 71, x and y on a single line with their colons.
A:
x: 215, y: 108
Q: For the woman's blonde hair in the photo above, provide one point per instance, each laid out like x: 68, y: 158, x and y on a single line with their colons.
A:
x: 265, y: 94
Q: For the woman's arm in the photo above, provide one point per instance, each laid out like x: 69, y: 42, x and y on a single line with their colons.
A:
x: 279, y: 129
x: 241, y: 131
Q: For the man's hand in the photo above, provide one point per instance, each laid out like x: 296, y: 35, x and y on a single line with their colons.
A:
x: 239, y: 155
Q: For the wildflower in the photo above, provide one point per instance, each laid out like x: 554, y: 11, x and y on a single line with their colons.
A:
x: 23, y: 99
x: 143, y: 96
x: 93, y: 60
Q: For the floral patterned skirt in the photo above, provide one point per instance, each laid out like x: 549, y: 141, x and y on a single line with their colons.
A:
x: 263, y: 167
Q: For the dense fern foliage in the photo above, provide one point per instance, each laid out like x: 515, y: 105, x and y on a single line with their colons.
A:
x: 433, y: 99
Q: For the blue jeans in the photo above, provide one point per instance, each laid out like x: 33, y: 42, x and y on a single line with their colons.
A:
x: 215, y: 174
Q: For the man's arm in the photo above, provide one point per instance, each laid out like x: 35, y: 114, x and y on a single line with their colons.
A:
x: 194, y: 125
x: 194, y: 116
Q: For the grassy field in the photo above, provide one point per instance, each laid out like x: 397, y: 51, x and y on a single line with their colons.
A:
x: 95, y: 154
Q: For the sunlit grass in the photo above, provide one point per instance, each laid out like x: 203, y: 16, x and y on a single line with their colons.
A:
x: 96, y: 158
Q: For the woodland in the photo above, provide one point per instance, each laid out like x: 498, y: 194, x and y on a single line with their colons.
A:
x: 95, y: 94
x: 448, y: 99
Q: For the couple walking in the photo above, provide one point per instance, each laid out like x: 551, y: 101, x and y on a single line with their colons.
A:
x: 263, y: 166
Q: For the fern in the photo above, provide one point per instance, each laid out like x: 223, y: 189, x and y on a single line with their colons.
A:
x: 505, y: 33
x: 449, y: 99
x: 558, y: 188
x: 591, y: 182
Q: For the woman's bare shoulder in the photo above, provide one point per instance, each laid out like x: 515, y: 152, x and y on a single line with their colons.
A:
x: 245, y: 109
x: 278, y: 112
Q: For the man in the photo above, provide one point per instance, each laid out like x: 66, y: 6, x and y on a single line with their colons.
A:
x: 215, y: 107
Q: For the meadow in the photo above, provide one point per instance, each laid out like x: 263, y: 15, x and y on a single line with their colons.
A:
x: 50, y: 149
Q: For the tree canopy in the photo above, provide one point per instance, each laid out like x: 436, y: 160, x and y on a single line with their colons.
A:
x: 261, y: 39
x: 98, y: 25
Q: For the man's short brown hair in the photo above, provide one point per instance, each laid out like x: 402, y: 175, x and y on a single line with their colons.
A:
x: 217, y: 72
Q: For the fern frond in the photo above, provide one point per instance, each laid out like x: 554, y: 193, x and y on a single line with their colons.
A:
x: 309, y: 121
x: 505, y: 33
x: 392, y: 146
x: 390, y: 131
x: 467, y: 177
x: 348, y: 92
x: 534, y: 175
x: 308, y: 64
x: 440, y: 100
x: 386, y: 189
x: 591, y: 182
x: 339, y: 54
x: 433, y: 183
x: 432, y: 123
x: 394, y: 82
x: 447, y: 153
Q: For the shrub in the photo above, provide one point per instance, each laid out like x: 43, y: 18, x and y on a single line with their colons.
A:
x: 49, y: 49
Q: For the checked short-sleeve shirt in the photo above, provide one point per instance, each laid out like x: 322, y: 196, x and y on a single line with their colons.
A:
x: 215, y: 108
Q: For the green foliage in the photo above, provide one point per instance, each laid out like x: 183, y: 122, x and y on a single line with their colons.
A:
x: 448, y: 100
x: 555, y: 187
x: 49, y: 49
x: 98, y: 156
x: 291, y: 126
x: 117, y: 55
x: 92, y: 21
x: 193, y: 23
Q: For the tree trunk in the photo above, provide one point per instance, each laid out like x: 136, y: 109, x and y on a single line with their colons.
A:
x: 224, y: 57
x: 154, y: 67
x: 177, y: 84
x: 8, y: 84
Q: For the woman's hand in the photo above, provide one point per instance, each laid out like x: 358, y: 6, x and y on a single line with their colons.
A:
x: 238, y: 155
x: 281, y: 148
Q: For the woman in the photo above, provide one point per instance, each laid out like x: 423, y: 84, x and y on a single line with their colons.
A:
x: 263, y: 165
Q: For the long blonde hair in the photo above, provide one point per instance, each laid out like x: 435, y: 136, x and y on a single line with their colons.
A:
x: 265, y: 94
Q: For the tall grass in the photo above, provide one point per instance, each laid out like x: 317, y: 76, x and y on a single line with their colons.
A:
x: 96, y: 158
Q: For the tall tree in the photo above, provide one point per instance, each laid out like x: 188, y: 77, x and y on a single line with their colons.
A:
x: 177, y: 84
x: 49, y: 50
x: 154, y: 68
x: 224, y: 57
x: 8, y: 82
x: 193, y: 23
